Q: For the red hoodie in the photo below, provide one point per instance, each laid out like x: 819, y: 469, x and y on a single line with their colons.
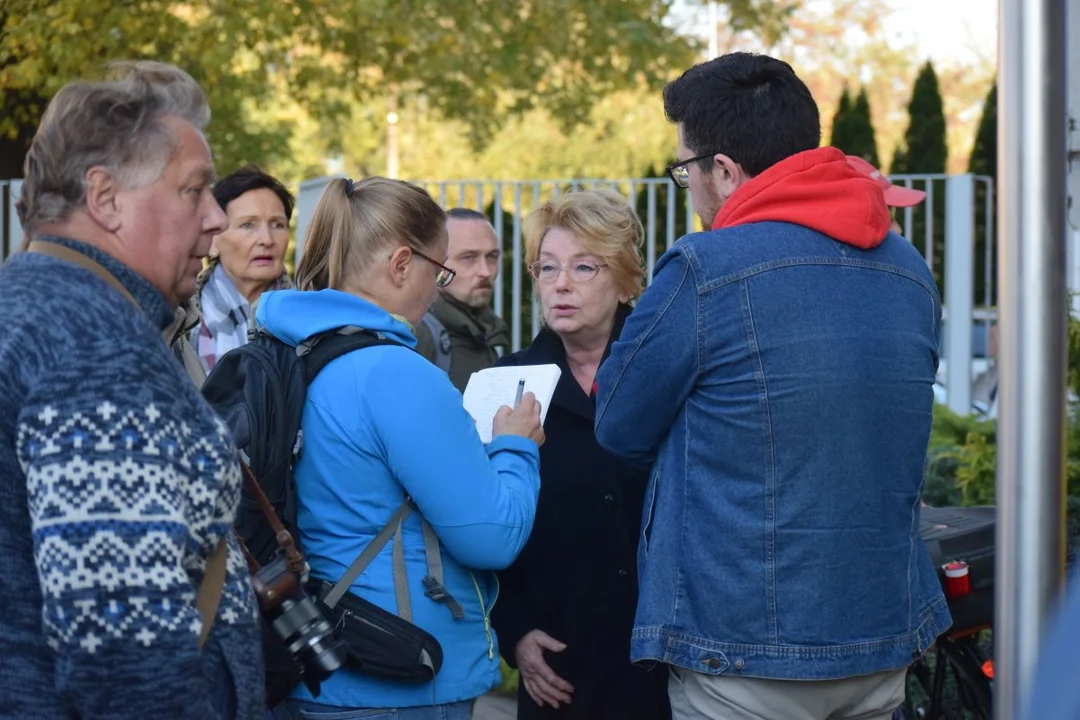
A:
x: 817, y: 189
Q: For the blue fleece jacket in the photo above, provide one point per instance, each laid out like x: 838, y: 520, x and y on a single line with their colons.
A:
x: 380, y: 423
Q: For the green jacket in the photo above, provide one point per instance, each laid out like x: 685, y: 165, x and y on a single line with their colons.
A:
x: 473, y: 333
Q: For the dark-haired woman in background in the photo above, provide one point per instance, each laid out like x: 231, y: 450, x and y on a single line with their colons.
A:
x: 245, y: 261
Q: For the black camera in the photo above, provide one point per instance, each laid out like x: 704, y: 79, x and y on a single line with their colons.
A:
x: 298, y: 642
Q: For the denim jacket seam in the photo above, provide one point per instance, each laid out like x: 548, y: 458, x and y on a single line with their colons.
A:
x: 912, y: 557
x: 778, y: 650
x: 927, y: 627
x: 770, y: 508
x: 759, y: 268
x: 685, y: 516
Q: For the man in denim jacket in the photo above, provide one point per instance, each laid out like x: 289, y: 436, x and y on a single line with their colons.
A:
x: 778, y: 378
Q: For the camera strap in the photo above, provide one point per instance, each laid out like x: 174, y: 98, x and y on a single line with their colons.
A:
x: 294, y: 559
x: 208, y: 596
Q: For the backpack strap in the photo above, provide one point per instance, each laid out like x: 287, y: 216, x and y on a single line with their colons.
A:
x: 364, y: 559
x: 401, y: 577
x: 319, y: 350
x: 316, y: 353
x: 433, y: 583
x: 441, y: 339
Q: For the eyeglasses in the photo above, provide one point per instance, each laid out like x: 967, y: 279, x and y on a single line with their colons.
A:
x: 548, y: 272
x: 445, y: 275
x: 680, y: 174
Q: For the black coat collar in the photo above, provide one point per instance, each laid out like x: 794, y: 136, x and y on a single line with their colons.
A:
x: 547, y: 348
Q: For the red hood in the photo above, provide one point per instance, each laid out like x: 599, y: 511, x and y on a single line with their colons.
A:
x: 817, y: 189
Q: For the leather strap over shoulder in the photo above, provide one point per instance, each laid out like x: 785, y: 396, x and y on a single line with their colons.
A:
x: 61, y: 252
x: 208, y: 596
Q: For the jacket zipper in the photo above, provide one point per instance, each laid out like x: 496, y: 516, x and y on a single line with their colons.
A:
x: 487, y: 618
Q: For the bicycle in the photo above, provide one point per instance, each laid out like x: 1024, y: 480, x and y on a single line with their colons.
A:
x: 954, y: 679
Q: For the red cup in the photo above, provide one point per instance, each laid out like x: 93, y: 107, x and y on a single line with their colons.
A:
x: 957, y: 578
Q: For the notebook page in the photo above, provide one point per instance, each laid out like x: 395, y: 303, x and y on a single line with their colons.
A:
x: 490, y: 389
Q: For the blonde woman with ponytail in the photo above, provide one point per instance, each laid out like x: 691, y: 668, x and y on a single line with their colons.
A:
x: 381, y: 424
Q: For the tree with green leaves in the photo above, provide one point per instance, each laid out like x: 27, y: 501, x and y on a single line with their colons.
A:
x: 984, y: 153
x: 862, y: 143
x: 926, y: 153
x: 476, y: 61
x: 853, y: 128
x: 983, y: 161
x: 927, y: 150
x: 898, y: 166
x: 841, y: 121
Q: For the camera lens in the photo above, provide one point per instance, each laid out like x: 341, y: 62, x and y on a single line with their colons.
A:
x: 308, y: 636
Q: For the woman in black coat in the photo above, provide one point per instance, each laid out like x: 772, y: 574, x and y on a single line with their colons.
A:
x: 566, y: 607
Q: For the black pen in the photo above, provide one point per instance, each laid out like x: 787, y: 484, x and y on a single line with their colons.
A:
x: 520, y: 392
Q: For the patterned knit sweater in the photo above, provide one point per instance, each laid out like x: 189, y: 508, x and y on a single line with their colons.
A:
x: 116, y: 483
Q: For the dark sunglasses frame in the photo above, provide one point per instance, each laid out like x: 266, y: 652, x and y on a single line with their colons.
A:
x: 450, y: 274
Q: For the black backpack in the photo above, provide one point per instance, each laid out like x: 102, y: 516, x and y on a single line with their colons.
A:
x: 258, y: 389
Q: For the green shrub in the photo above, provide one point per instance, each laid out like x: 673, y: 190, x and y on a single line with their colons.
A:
x: 510, y: 679
x: 961, y: 466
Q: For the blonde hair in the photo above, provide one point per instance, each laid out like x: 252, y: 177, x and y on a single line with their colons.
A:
x: 354, y: 222
x: 604, y: 224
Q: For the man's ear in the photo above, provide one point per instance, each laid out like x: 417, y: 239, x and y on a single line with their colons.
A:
x: 399, y: 264
x: 727, y: 175
x: 102, y: 203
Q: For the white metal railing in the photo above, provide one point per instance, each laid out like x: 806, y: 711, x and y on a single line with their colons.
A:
x: 666, y: 215
x: 944, y: 227
x: 10, y: 229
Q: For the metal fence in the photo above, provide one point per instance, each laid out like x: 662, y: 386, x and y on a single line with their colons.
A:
x: 666, y: 215
x: 953, y: 228
x: 10, y: 230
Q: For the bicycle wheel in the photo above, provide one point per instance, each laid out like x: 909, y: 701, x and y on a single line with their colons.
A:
x: 949, y: 684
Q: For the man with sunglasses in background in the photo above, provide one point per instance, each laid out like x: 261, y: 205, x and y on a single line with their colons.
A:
x: 778, y: 377
x: 461, y: 333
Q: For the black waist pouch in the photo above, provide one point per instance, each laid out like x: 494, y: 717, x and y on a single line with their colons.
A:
x: 379, y: 642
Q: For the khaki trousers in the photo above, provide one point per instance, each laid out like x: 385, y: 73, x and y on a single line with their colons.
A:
x: 696, y: 696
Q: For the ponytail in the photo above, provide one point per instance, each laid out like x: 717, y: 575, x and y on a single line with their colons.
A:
x: 354, y: 222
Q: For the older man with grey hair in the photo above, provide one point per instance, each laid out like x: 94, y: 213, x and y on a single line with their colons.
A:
x: 123, y: 593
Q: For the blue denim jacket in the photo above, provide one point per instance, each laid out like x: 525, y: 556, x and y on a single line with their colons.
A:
x: 779, y: 383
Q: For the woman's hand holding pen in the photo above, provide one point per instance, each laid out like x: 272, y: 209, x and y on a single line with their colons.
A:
x: 524, y: 420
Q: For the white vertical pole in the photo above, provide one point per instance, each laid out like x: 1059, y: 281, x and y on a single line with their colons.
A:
x: 1031, y: 182
x: 650, y: 230
x: 306, y: 200
x: 534, y: 304
x: 392, y: 135
x: 959, y: 288
x: 515, y: 305
x: 497, y: 221
x: 15, y: 234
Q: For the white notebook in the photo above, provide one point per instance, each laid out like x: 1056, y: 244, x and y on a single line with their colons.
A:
x: 490, y: 389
